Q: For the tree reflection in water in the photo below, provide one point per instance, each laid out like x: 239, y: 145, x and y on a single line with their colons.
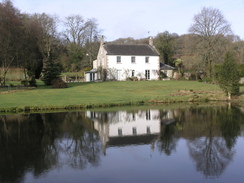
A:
x: 230, y: 125
x: 211, y: 152
x: 210, y: 155
x: 38, y: 142
x: 41, y: 142
x: 82, y: 145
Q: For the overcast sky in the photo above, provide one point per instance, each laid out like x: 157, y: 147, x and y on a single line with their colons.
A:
x: 135, y: 18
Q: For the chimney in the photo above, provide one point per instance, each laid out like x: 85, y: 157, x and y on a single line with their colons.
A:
x: 102, y: 40
x: 151, y: 41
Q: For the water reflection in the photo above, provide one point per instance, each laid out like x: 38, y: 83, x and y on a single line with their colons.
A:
x: 126, y: 128
x: 40, y: 143
x: 215, y: 132
x: 43, y: 142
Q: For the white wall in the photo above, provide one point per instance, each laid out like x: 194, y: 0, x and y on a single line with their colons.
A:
x: 125, y: 67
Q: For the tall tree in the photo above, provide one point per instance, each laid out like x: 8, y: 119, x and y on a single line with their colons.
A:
x: 10, y: 34
x: 47, y: 26
x: 228, y: 76
x: 165, y: 44
x: 82, y: 39
x: 209, y: 28
x: 30, y: 55
x: 238, y: 48
x: 74, y: 35
x: 92, y: 40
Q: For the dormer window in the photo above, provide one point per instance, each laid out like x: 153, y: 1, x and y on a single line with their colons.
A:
x: 118, y: 59
x: 133, y: 60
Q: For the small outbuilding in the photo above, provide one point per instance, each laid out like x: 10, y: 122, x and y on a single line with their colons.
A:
x: 91, y: 75
x: 167, y: 69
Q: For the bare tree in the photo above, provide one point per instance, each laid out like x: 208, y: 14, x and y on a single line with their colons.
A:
x: 75, y: 28
x: 10, y: 36
x: 92, y: 40
x: 209, y: 28
x: 82, y: 39
x: 47, y: 34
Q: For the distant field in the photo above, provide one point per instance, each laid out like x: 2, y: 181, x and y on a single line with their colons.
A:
x: 14, y: 74
x: 17, y: 74
x: 104, y: 94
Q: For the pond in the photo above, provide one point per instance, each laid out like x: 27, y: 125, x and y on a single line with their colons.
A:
x: 135, y: 144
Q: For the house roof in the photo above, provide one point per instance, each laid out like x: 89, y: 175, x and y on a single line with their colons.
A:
x: 166, y: 67
x: 131, y: 140
x: 137, y: 50
x: 92, y: 71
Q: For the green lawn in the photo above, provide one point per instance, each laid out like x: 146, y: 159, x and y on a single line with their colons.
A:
x: 80, y: 95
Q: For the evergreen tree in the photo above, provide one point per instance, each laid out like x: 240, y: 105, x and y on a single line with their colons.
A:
x: 51, y: 72
x: 228, y: 76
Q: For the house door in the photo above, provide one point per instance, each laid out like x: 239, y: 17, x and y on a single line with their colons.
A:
x: 147, y: 74
x: 92, y: 76
x: 118, y: 75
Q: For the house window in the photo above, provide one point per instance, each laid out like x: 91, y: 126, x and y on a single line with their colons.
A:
x: 133, y: 59
x: 148, y: 115
x: 133, y: 117
x: 133, y: 73
x: 120, y: 132
x: 166, y: 72
x: 93, y: 115
x: 119, y: 59
x: 147, y: 74
x: 148, y: 130
x: 134, y: 131
x: 147, y: 60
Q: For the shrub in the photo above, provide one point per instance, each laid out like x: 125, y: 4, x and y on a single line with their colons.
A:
x: 162, y: 75
x: 59, y: 83
x: 207, y: 80
x: 25, y: 82
x: 133, y: 78
x: 32, y: 82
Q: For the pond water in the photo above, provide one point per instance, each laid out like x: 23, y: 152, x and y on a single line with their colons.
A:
x: 139, y: 144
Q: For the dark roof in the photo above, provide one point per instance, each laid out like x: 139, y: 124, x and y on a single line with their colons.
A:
x: 166, y: 67
x: 92, y: 71
x: 137, y: 50
x: 131, y: 140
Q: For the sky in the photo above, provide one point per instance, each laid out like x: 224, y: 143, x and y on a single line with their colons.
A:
x: 138, y: 18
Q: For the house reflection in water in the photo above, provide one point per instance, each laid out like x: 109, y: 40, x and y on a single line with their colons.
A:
x: 126, y: 128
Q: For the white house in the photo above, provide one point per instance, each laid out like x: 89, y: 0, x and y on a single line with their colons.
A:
x: 120, y: 62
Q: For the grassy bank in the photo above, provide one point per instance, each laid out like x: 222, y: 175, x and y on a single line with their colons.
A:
x: 104, y: 94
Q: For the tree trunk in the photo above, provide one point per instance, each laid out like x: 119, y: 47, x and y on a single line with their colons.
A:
x: 229, y: 95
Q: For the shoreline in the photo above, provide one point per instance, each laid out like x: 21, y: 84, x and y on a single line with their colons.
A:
x: 43, y: 109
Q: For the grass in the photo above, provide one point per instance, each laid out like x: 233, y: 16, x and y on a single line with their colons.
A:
x: 104, y: 94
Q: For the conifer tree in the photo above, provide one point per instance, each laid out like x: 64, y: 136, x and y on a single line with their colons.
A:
x: 228, y: 76
x: 51, y: 72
